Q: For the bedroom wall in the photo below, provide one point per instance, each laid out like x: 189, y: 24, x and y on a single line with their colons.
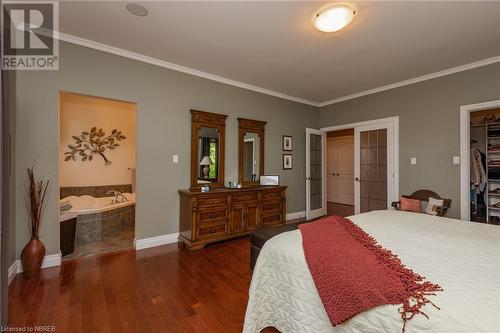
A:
x: 164, y: 98
x: 429, y: 120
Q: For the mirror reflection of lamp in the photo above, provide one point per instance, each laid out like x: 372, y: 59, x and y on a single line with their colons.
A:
x: 205, y: 162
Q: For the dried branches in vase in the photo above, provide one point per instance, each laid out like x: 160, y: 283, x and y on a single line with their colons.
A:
x: 36, y: 193
x: 36, y: 198
x: 95, y: 142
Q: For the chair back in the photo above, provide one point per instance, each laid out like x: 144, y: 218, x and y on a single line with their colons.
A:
x: 424, y: 195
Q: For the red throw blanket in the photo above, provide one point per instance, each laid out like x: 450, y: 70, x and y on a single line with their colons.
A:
x: 353, y: 273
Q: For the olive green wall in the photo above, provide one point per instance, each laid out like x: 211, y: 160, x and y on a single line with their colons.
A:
x: 164, y: 99
x: 429, y: 125
x: 428, y: 111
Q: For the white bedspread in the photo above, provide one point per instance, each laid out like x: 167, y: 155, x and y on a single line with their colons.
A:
x: 462, y: 257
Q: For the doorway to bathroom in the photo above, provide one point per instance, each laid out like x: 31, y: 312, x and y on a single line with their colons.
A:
x: 97, y: 175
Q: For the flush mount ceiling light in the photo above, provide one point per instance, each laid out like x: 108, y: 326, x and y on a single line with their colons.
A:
x: 334, y: 18
x: 136, y: 9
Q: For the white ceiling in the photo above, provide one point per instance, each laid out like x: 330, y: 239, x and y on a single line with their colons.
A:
x: 273, y: 45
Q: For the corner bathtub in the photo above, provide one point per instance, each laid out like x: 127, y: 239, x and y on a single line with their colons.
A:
x: 99, y: 218
x: 87, y: 204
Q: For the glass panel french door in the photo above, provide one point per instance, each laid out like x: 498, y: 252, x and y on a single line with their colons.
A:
x: 373, y: 167
x: 315, y: 173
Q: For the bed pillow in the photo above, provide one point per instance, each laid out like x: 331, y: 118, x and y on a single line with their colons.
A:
x: 410, y: 205
x: 433, y: 205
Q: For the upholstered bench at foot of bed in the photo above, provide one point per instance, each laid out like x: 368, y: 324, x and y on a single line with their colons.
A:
x: 260, y: 237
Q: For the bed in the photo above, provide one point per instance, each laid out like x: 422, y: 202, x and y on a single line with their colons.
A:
x: 462, y: 257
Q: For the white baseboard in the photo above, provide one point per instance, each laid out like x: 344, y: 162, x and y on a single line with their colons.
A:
x: 146, y: 243
x: 12, y: 271
x: 296, y: 215
x: 50, y: 260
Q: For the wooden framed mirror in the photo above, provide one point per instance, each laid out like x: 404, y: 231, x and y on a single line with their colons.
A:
x: 208, y: 133
x: 250, y: 151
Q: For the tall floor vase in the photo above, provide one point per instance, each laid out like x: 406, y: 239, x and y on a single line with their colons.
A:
x: 32, y: 256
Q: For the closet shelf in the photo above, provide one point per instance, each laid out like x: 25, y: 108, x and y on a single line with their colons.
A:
x: 484, y: 124
x: 494, y: 208
x: 494, y: 194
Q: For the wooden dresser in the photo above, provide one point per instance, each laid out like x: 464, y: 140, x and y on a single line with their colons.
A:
x: 227, y: 213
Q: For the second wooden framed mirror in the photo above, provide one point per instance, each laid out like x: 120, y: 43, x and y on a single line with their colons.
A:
x: 250, y: 151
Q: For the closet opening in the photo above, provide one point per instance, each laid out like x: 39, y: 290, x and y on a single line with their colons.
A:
x: 484, y: 179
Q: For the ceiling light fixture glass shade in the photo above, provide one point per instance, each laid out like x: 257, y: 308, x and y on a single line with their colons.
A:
x: 334, y: 18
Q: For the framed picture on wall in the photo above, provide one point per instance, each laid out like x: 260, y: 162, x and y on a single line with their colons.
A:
x: 287, y: 143
x: 287, y: 162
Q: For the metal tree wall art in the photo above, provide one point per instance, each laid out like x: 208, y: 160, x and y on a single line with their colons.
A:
x: 95, y: 142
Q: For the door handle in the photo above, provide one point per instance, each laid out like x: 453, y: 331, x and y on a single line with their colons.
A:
x: 333, y: 174
x: 338, y: 174
x: 356, y: 179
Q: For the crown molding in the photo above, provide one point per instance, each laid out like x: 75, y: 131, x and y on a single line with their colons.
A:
x: 426, y: 77
x: 161, y: 63
x: 154, y: 61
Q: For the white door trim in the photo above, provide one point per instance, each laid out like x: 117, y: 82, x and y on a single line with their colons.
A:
x: 395, y: 144
x: 465, y: 111
x: 311, y: 214
x: 394, y: 119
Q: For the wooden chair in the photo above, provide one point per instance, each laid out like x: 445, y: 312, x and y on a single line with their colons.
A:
x: 424, y: 195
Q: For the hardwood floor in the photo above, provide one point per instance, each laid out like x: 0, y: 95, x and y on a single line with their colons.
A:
x: 339, y: 209
x: 162, y: 289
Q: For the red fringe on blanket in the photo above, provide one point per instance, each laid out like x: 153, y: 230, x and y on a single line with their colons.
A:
x: 353, y: 273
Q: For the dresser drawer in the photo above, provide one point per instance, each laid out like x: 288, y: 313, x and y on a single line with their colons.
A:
x: 212, y: 230
x: 212, y: 214
x: 221, y: 213
x: 271, y: 206
x: 271, y: 195
x: 271, y: 219
x: 212, y: 201
x: 247, y: 197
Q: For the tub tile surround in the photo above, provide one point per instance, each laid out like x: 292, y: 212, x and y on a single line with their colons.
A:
x: 104, y: 225
x: 123, y: 241
x: 118, y: 220
x: 88, y: 228
x: 98, y: 191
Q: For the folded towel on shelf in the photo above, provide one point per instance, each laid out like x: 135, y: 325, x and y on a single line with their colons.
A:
x: 65, y: 208
x: 65, y: 205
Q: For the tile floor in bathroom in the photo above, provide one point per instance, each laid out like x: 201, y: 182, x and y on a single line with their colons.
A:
x: 112, y: 244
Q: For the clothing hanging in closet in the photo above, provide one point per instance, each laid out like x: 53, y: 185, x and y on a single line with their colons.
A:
x: 478, y: 176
